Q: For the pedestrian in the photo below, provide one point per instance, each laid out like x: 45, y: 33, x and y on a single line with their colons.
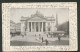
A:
x: 46, y: 42
x: 59, y: 37
x: 42, y: 39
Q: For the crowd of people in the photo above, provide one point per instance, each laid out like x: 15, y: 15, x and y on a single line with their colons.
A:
x: 46, y: 40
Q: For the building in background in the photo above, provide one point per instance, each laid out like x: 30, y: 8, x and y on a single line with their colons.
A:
x: 38, y: 23
x: 64, y: 27
x: 15, y: 28
x: 12, y: 27
x: 18, y: 28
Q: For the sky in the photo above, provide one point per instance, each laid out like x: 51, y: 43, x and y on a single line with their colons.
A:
x: 17, y: 13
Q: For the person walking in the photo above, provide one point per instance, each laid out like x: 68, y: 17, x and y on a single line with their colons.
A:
x: 59, y: 37
x: 46, y: 42
x: 42, y: 39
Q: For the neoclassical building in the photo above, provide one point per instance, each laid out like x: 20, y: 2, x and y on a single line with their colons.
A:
x: 38, y: 23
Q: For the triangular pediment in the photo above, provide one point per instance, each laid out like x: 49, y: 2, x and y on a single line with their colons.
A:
x: 36, y: 18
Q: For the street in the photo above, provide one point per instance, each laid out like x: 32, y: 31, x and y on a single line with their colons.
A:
x: 32, y: 40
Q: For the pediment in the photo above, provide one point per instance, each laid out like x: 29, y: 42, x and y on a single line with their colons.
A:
x: 37, y: 19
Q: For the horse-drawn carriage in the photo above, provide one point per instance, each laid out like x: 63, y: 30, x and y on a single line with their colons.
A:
x: 56, y: 33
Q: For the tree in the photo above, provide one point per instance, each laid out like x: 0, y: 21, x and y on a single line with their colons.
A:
x: 64, y: 27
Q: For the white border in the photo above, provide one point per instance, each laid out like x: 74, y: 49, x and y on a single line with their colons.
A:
x: 72, y: 26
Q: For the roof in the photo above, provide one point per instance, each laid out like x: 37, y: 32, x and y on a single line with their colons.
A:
x: 37, y: 14
x: 24, y: 18
x: 50, y: 18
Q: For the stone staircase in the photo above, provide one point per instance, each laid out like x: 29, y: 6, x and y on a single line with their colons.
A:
x: 34, y: 33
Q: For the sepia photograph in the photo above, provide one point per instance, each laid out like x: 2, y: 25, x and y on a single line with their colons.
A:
x: 43, y: 26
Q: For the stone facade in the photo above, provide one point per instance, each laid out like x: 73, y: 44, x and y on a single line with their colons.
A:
x: 38, y: 23
x: 12, y: 27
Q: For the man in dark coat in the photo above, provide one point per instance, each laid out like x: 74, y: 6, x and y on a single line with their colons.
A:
x: 42, y: 39
x: 59, y: 37
x: 46, y: 42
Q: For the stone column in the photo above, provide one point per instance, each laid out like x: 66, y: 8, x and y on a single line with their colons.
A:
x: 39, y: 26
x: 27, y: 27
x: 45, y: 27
x: 35, y: 26
x: 31, y: 26
x: 42, y: 26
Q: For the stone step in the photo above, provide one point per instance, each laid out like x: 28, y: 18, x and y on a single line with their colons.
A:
x: 35, y: 33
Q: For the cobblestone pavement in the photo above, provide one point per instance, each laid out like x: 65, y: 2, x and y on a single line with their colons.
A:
x: 36, y: 40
